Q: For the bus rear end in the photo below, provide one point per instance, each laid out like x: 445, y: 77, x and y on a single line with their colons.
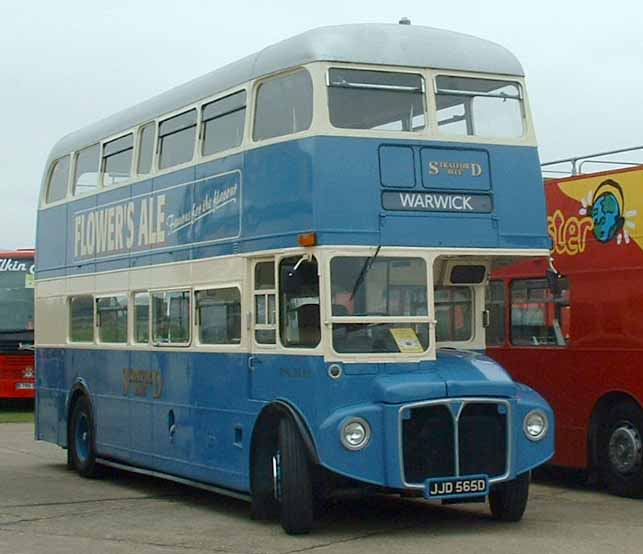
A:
x: 17, y: 377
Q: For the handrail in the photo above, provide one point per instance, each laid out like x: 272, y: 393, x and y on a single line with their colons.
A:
x: 577, y: 162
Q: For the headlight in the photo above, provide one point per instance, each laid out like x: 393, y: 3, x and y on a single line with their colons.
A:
x: 355, y: 433
x: 535, y: 425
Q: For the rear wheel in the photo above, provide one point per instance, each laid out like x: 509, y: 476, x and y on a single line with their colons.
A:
x: 621, y: 450
x: 293, y: 481
x: 81, y: 438
x: 508, y: 500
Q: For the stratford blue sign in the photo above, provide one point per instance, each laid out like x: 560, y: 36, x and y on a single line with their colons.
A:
x: 197, y: 212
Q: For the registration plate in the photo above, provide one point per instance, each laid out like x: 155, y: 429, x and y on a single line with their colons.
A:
x: 454, y: 487
x: 24, y: 386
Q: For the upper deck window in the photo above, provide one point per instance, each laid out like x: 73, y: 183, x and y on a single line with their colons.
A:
x: 481, y: 107
x: 117, y: 160
x: 146, y: 148
x: 86, y: 170
x: 57, y: 187
x: 176, y: 139
x: 381, y: 100
x: 223, y: 122
x: 284, y: 105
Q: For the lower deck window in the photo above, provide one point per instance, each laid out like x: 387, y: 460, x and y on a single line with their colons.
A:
x: 496, y: 307
x: 219, y: 316
x: 453, y: 311
x: 111, y: 312
x: 265, y: 303
x: 379, y: 288
x: 141, y: 317
x: 380, y: 338
x: 299, y: 319
x: 81, y: 318
x: 171, y: 317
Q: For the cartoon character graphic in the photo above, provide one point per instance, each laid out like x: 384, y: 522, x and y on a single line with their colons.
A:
x: 606, y: 210
x: 606, y: 207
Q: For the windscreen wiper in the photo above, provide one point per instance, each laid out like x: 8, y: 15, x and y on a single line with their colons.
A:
x: 367, y: 265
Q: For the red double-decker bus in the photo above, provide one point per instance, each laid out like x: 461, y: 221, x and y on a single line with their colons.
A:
x: 17, y: 377
x: 572, y: 328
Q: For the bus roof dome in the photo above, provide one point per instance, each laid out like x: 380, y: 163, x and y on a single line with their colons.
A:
x: 366, y: 43
x: 389, y: 44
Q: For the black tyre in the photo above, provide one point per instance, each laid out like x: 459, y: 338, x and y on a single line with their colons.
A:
x: 508, y: 500
x: 621, y: 451
x: 265, y: 505
x: 294, y: 480
x: 81, y: 438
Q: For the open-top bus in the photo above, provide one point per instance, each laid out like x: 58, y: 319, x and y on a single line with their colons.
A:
x: 17, y: 379
x: 271, y: 279
x: 577, y: 335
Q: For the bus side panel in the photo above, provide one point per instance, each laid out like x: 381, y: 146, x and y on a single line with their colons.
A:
x: 278, y: 202
x: 51, y: 396
x: 102, y: 370
x: 177, y: 412
x: 52, y: 246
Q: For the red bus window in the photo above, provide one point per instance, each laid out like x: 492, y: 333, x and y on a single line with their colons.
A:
x: 539, y: 317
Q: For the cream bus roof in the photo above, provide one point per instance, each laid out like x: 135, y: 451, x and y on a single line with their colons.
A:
x: 381, y: 44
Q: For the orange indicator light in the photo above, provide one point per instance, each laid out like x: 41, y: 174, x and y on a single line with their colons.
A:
x: 307, y: 239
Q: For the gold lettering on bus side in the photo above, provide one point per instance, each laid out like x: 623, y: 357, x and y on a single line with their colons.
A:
x: 569, y: 235
x: 139, y: 380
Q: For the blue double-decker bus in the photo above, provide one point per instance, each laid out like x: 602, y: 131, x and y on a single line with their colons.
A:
x: 270, y: 281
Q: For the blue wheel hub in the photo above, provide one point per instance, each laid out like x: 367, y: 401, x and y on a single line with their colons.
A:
x: 82, y: 437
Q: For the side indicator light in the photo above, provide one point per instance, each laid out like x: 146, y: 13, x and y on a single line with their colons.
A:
x: 307, y: 239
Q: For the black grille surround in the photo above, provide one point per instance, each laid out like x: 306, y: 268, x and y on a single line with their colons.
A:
x: 454, y: 438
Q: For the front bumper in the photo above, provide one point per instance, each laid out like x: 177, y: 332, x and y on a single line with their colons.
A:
x: 474, y: 442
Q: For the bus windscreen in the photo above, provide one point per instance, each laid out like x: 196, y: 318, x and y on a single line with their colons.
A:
x: 16, y: 294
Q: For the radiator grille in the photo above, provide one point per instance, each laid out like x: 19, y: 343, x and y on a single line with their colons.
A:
x: 430, y: 441
x: 483, y: 439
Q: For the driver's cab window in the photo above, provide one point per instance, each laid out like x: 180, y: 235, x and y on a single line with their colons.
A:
x: 299, y: 317
x: 264, y: 303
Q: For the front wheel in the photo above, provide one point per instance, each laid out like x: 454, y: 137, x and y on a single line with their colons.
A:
x: 621, y: 450
x: 81, y: 439
x: 293, y: 480
x: 508, y: 500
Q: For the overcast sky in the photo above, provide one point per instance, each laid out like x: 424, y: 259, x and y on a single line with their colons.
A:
x: 67, y: 63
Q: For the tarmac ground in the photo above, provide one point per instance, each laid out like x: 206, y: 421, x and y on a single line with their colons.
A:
x: 45, y: 507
